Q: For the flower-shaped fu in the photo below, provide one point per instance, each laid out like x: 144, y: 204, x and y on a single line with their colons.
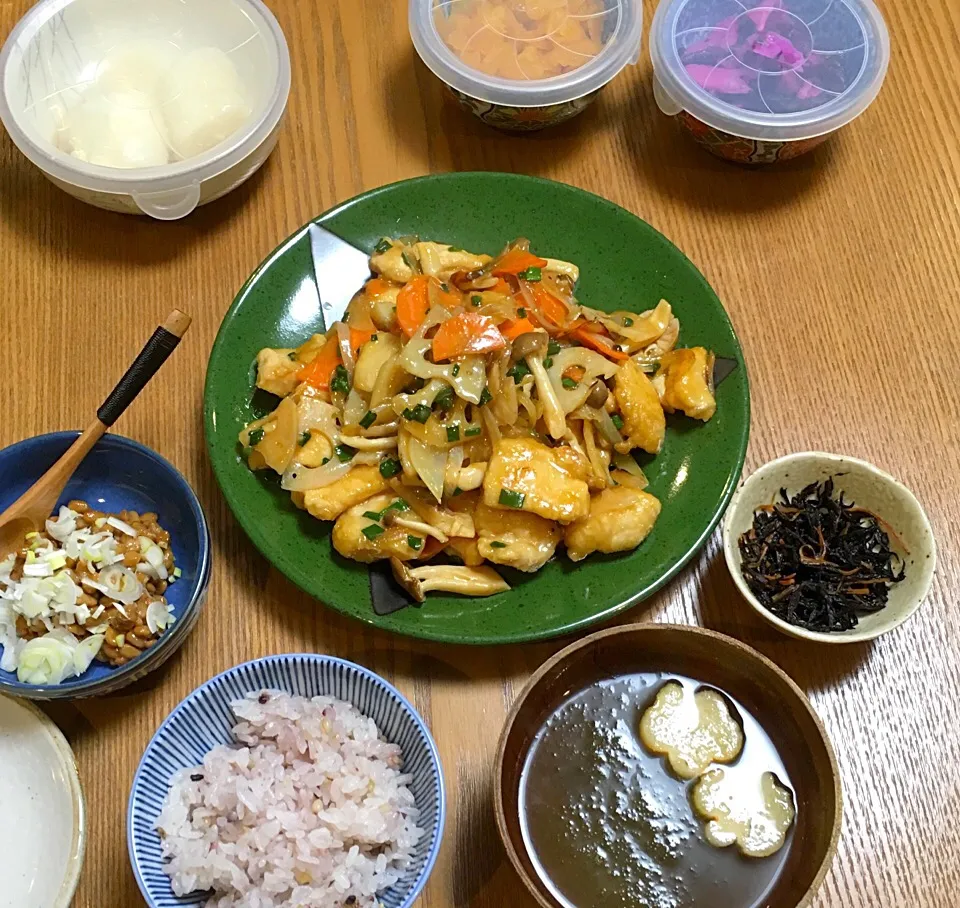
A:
x: 691, y: 729
x: 754, y: 814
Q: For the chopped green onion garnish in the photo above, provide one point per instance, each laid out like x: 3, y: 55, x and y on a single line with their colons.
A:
x: 177, y: 573
x: 374, y: 338
x: 304, y: 438
x: 444, y: 399
x: 415, y: 543
x: 617, y: 420
x: 569, y: 383
x: 548, y: 362
x: 553, y: 348
x: 519, y: 370
x: 445, y: 287
x: 369, y: 419
x: 373, y: 515
x: 472, y: 431
x: 476, y: 299
x: 406, y: 260
x: 498, y: 545
x: 372, y: 531
x: 486, y: 397
x: 456, y: 370
x: 627, y: 321
x: 531, y: 274
x: 325, y: 460
x: 453, y: 432
x: 344, y: 453
x: 340, y: 380
x: 420, y: 413
x: 390, y: 467
x: 292, y: 355
x: 398, y: 505
x: 255, y: 437
x: 521, y: 312
x: 457, y: 491
x: 382, y: 246
x: 511, y: 499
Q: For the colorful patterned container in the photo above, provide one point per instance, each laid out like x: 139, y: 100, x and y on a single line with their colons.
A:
x: 758, y: 81
x: 522, y: 65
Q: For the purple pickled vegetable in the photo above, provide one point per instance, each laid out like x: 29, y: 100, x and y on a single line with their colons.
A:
x: 776, y: 47
x: 719, y: 79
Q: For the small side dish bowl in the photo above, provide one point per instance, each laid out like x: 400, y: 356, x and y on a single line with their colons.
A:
x: 119, y: 474
x: 204, y: 719
x: 773, y: 700
x: 868, y: 487
x: 759, y: 81
x: 43, y: 841
x: 524, y: 72
x: 185, y: 98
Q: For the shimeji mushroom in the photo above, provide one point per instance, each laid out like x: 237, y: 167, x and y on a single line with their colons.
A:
x: 531, y: 348
x: 449, y: 578
x: 395, y: 519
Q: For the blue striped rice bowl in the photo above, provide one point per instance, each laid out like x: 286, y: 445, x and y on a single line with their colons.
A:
x: 204, y: 720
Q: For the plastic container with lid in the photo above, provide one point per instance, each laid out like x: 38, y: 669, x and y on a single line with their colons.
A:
x: 757, y: 81
x: 525, y: 64
x: 145, y: 106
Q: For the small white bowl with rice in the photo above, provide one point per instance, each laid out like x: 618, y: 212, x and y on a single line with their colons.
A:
x: 301, y: 779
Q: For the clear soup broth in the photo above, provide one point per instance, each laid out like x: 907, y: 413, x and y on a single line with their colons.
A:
x: 606, y: 822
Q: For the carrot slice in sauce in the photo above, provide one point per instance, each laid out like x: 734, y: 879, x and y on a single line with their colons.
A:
x: 466, y: 333
x: 358, y: 337
x: 599, y: 341
x: 513, y: 261
x: 513, y: 328
x: 553, y: 310
x: 412, y: 304
x: 317, y: 372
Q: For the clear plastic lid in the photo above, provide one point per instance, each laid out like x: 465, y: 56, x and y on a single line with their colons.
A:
x: 526, y: 53
x: 142, y: 96
x: 769, y: 69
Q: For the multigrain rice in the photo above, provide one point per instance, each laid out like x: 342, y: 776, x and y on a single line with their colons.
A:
x: 308, y: 809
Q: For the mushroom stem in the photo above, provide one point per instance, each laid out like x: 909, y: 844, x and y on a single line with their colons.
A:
x: 553, y: 414
x: 393, y: 519
x: 467, y: 581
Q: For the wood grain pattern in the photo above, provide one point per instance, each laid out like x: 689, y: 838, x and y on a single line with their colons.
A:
x: 840, y: 271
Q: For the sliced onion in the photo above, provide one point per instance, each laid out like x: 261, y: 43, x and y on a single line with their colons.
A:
x: 94, y: 585
x: 303, y: 479
x: 86, y: 651
x: 154, y: 557
x: 316, y: 414
x: 627, y: 464
x: 455, y: 457
x: 346, y: 351
x: 430, y: 464
x: 157, y: 617
x: 121, y: 583
x: 120, y: 525
x: 354, y: 409
x: 602, y: 418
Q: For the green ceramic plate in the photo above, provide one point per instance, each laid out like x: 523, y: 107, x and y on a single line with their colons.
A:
x: 624, y: 264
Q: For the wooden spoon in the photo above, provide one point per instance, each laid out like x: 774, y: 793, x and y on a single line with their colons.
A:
x: 30, y: 511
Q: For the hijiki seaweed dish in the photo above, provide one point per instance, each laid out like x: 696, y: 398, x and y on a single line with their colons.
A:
x: 469, y: 405
x: 817, y: 561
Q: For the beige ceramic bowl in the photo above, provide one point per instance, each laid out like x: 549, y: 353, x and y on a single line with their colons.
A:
x: 868, y: 487
x: 43, y: 837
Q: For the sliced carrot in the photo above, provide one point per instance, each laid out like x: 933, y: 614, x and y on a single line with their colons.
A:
x: 513, y: 261
x: 598, y: 341
x: 358, y: 337
x: 575, y: 372
x: 317, y: 372
x: 513, y: 328
x: 412, y: 304
x: 466, y: 333
x: 377, y: 286
x: 551, y: 308
x: 450, y: 297
x: 501, y: 286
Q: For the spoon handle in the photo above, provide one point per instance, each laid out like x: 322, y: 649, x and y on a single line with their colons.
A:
x: 154, y: 354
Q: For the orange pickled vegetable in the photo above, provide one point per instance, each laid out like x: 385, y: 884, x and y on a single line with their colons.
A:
x: 466, y: 333
x: 317, y: 372
x: 513, y: 261
x: 599, y: 341
x: 412, y: 304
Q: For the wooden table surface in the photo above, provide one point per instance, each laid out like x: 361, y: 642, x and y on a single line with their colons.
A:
x: 841, y: 272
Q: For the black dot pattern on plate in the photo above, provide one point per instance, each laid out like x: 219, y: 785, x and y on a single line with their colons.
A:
x: 771, y: 56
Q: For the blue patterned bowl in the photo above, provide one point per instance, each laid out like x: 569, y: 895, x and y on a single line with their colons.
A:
x: 119, y: 474
x: 204, y: 720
